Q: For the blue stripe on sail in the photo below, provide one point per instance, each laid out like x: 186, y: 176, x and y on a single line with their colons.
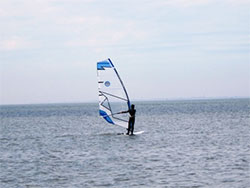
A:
x: 103, y: 64
x: 105, y: 116
x: 129, y: 106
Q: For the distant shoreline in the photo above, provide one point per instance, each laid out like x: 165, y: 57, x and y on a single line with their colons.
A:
x: 134, y: 100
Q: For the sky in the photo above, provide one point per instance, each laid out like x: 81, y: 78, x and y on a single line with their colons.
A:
x: 162, y: 49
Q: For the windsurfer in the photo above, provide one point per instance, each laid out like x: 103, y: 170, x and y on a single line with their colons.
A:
x: 131, y: 121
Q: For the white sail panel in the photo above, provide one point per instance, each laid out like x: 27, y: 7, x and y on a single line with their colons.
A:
x: 113, y: 97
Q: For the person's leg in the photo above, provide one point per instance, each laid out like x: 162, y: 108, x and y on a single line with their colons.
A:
x: 129, y: 122
x: 132, y: 126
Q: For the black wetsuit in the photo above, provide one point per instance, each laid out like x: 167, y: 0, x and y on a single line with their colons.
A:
x: 131, y: 121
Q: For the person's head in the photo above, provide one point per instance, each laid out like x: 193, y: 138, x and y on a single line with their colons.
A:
x: 133, y: 106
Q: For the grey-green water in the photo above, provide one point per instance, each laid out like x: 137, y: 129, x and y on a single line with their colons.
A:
x: 199, y: 143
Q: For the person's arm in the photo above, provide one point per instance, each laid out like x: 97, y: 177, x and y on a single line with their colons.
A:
x: 123, y: 112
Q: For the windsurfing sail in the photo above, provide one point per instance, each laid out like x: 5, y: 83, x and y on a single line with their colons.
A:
x: 113, y: 97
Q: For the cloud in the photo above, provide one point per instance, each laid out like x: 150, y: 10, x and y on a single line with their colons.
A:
x: 97, y: 31
x: 187, y: 3
x: 15, y: 43
x: 95, y: 24
x: 194, y: 3
x: 50, y: 22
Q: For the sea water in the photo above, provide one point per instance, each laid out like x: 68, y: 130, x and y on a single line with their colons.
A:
x: 192, y: 143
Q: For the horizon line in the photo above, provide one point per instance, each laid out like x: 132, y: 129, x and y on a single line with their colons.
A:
x: 136, y: 100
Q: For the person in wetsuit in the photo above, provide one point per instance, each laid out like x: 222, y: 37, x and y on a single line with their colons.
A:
x: 131, y: 121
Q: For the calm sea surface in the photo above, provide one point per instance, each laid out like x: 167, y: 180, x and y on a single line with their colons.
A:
x: 196, y: 143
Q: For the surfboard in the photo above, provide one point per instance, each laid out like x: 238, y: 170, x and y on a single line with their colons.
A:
x: 139, y: 132
x: 135, y: 133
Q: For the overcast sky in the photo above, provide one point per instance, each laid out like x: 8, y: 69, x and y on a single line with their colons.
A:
x: 163, y: 49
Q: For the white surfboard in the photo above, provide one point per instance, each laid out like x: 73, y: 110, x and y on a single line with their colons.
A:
x: 135, y: 133
x: 139, y: 132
